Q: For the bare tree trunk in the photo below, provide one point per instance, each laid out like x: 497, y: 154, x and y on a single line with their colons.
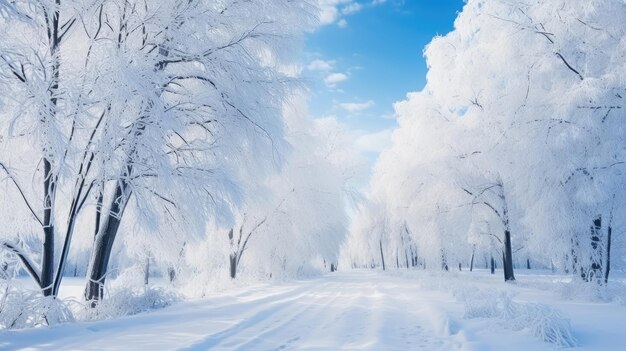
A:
x: 47, y: 258
x: 99, y: 203
x: 47, y: 262
x: 171, y: 273
x: 406, y: 259
x: 607, y: 267
x: 103, y: 245
x: 146, y: 271
x: 493, y: 265
x: 234, y: 252
x: 382, y: 256
x: 508, y: 257
x: 596, y: 257
x: 233, y: 265
x: 472, y: 259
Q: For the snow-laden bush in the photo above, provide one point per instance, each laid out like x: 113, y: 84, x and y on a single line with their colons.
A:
x: 21, y: 308
x: 480, y: 305
x: 127, y: 302
x: 577, y: 289
x: 543, y: 321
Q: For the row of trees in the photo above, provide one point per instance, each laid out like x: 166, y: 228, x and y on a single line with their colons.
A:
x: 160, y: 122
x: 514, y: 150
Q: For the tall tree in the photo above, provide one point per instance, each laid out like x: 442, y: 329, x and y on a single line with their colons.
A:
x: 161, y: 110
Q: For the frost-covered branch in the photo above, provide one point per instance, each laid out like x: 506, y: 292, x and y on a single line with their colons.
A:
x: 19, y: 189
x: 30, y: 267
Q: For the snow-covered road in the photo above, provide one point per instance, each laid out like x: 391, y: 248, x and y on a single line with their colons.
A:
x: 355, y: 310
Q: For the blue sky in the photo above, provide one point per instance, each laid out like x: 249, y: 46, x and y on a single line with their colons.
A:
x: 368, y: 55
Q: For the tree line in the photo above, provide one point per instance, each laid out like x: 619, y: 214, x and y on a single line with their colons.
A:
x: 514, y: 150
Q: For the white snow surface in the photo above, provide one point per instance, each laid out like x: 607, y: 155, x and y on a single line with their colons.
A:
x: 356, y: 310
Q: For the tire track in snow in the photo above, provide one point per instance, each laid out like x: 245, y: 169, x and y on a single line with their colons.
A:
x: 168, y: 328
x: 289, y: 331
x: 256, y: 329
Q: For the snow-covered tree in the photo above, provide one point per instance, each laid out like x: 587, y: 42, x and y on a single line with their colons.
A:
x: 295, y: 221
x: 517, y: 136
x: 166, y: 111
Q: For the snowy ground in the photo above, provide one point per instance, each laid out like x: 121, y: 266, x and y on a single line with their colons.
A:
x: 361, y: 310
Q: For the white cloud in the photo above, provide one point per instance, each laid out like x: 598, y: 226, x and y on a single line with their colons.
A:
x: 321, y: 65
x: 329, y: 10
x: 390, y: 116
x: 333, y: 11
x: 374, y: 142
x: 352, y: 8
x: 335, y: 78
x: 355, y: 107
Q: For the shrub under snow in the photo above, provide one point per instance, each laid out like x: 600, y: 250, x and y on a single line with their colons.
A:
x: 127, y: 302
x: 20, y: 308
x: 543, y: 321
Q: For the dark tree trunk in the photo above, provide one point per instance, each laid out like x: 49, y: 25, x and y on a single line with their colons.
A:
x: 527, y: 263
x: 459, y: 266
x: 382, y: 256
x: 47, y: 262
x: 596, y: 257
x: 173, y: 269
x: 574, y: 258
x: 171, y: 273
x: 607, y: 267
x: 234, y: 253
x: 146, y: 271
x: 103, y: 245
x: 73, y: 214
x: 47, y: 259
x: 333, y: 267
x: 99, y: 204
x: 472, y: 260
x: 507, y: 263
x: 493, y: 265
x: 406, y: 259
x: 233, y: 265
